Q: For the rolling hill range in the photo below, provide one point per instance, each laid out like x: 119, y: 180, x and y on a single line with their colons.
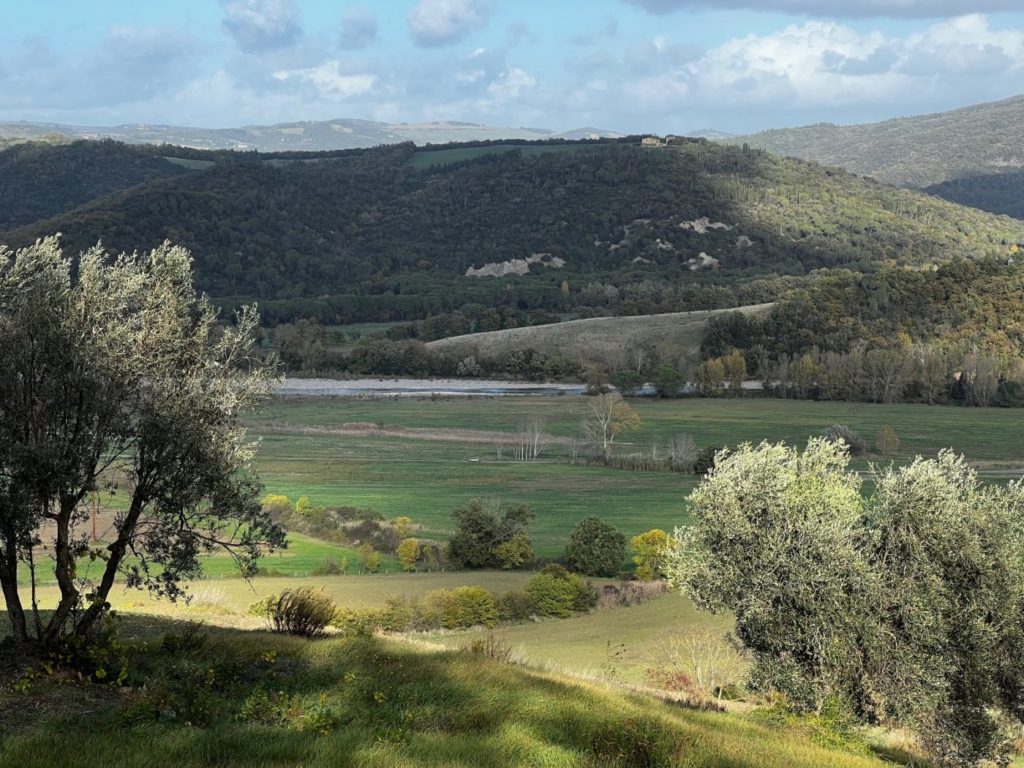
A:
x: 973, y: 155
x: 315, y: 136
x: 398, y: 232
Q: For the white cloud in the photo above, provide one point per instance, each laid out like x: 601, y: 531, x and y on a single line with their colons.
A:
x: 259, y: 25
x: 329, y: 79
x: 818, y: 65
x: 510, y: 85
x: 435, y: 23
x: 839, y: 8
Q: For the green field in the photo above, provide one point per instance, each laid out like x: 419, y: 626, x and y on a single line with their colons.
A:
x: 427, y: 478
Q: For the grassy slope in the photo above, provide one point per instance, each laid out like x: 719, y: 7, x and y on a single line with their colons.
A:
x: 620, y: 643
x: 600, y: 340
x: 913, y: 151
x: 383, y: 704
x: 580, y: 645
x: 427, y: 479
x: 226, y: 601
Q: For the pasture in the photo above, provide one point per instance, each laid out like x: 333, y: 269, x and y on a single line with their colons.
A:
x: 431, y: 455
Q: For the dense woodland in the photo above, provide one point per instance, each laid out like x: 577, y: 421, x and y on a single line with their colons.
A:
x: 387, y: 234
x: 366, y: 235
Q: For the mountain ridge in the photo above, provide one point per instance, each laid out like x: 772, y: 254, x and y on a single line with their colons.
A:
x: 304, y: 135
x: 973, y: 155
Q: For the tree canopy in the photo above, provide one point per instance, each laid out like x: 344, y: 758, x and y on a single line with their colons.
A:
x: 905, y: 605
x: 116, y: 378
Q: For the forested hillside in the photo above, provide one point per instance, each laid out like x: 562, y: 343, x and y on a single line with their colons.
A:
x: 42, y: 179
x: 972, y: 156
x: 911, y: 151
x: 997, y: 192
x: 605, y: 226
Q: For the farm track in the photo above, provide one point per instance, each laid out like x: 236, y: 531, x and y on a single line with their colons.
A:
x: 484, y: 437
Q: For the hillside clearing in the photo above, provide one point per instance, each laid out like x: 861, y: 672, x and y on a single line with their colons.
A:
x: 611, y: 341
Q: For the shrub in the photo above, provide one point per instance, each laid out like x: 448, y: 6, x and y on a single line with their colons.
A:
x: 279, y: 709
x: 303, y: 611
x: 479, y: 532
x: 430, y: 556
x: 887, y: 442
x: 515, y: 606
x: 359, y: 622
x: 184, y: 694
x: 630, y: 593
x: 278, y: 505
x: 667, y: 380
x: 550, y: 595
x: 626, y: 380
x: 408, y: 553
x: 649, y: 550
x: 470, y: 607
x: 492, y: 647
x: 370, y: 558
x: 682, y: 453
x: 556, y: 592
x: 585, y: 594
x: 596, y: 548
x: 855, y: 444
x: 515, y: 553
x: 705, y: 460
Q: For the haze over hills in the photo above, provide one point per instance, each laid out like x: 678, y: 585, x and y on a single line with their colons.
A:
x: 973, y: 155
x: 296, y: 136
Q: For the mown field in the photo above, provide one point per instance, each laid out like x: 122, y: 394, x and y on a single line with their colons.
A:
x: 307, y: 450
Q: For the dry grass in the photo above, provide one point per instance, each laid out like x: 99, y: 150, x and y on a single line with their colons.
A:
x: 602, y: 340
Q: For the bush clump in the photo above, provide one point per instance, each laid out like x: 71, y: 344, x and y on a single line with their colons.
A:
x: 855, y: 444
x: 465, y: 607
x: 556, y: 592
x: 303, y: 611
x: 596, y: 548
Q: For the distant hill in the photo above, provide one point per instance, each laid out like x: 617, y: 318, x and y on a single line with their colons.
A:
x: 399, y: 232
x: 973, y: 156
x: 912, y: 151
x: 299, y: 136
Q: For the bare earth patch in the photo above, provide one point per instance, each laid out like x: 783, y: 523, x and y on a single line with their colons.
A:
x: 366, y: 429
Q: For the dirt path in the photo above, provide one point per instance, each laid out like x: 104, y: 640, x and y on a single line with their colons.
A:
x: 366, y: 429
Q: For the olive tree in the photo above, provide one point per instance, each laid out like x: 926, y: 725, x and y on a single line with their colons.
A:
x: 907, y: 605
x: 114, y: 375
x: 775, y: 542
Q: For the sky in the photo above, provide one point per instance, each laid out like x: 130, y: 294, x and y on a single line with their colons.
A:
x: 664, y: 66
